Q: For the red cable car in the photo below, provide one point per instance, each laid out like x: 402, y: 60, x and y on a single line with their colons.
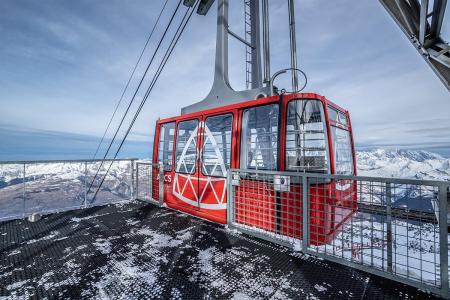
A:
x: 300, y: 132
x: 295, y: 132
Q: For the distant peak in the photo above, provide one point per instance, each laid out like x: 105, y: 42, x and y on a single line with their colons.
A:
x: 396, y: 153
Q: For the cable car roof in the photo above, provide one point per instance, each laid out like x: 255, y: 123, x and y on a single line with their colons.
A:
x: 255, y: 102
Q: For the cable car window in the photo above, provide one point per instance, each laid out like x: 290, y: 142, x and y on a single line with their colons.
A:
x: 332, y: 114
x: 342, y: 118
x: 306, y: 140
x: 337, y: 116
x: 343, y: 154
x: 217, y: 145
x: 259, y: 141
x: 165, y: 145
x: 186, y: 153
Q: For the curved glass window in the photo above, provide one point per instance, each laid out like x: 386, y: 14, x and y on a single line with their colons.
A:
x: 306, y: 139
x: 343, y: 154
x: 165, y: 146
x: 337, y: 116
x: 217, y: 145
x: 186, y: 153
x: 259, y: 137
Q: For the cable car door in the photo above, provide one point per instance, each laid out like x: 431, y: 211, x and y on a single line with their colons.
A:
x: 185, y: 191
x: 164, y: 158
x: 215, y: 160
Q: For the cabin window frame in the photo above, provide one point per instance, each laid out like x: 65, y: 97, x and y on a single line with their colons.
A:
x: 325, y: 121
x: 349, y: 149
x: 243, y: 149
x: 196, y: 146
x: 169, y: 149
x: 230, y: 152
x: 337, y: 124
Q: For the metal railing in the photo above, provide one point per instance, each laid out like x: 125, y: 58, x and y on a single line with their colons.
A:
x: 395, y: 228
x: 147, y: 189
x: 43, y: 187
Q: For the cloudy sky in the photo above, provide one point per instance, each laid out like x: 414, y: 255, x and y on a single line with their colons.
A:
x: 64, y: 64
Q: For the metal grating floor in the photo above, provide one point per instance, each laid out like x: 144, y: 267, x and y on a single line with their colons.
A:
x: 137, y: 251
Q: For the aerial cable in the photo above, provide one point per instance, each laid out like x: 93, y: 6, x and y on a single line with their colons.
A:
x: 135, y: 93
x: 129, y: 80
x: 167, y: 55
x: 155, y: 78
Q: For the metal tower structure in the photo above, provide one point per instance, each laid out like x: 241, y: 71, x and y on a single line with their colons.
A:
x: 423, y: 28
x: 248, y: 48
x: 221, y: 92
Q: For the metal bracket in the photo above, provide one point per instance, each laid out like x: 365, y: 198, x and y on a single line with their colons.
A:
x: 235, y: 181
x: 281, y: 183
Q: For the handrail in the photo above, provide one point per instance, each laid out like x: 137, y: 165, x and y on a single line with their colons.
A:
x: 346, y: 177
x: 10, y: 162
x: 20, y: 195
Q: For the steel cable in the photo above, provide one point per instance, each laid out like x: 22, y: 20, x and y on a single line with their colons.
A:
x: 167, y: 55
x: 129, y: 80
x: 134, y: 95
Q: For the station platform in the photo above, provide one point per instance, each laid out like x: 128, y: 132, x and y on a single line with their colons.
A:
x: 140, y: 251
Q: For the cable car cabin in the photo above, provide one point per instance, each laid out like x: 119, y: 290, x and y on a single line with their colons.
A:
x: 293, y: 132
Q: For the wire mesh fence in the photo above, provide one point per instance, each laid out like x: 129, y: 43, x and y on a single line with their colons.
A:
x: 391, y: 227
x: 147, y: 189
x: 42, y: 187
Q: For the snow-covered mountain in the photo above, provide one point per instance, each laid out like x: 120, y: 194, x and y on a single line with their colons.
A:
x: 403, y: 164
x: 50, y: 186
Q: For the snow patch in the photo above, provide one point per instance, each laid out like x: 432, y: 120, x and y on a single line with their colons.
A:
x: 16, y: 285
x: 103, y: 246
x: 47, y: 237
x: 320, y: 288
x: 241, y: 296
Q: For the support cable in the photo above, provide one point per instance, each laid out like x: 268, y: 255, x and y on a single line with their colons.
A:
x: 166, y: 57
x: 135, y: 93
x: 129, y: 80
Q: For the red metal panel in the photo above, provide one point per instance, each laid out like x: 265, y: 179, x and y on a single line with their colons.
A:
x: 329, y: 210
x: 255, y: 205
x: 155, y: 185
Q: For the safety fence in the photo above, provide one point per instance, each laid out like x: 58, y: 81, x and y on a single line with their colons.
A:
x: 43, y: 187
x: 395, y: 228
x: 148, y: 189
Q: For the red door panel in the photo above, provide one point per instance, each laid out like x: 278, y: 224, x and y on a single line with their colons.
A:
x: 182, y: 192
x: 215, y: 160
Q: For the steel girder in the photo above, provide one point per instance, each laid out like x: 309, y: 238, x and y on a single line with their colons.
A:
x: 423, y: 28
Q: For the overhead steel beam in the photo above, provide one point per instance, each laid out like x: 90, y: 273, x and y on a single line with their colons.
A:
x: 236, y: 36
x: 256, y: 44
x: 423, y: 21
x: 293, y: 42
x: 423, y: 29
x: 189, y: 3
x: 438, y: 18
x: 266, y: 41
x: 204, y: 7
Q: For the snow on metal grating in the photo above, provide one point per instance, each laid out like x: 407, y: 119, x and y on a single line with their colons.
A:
x: 136, y: 251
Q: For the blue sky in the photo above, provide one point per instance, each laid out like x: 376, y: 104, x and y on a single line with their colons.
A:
x: 63, y: 65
